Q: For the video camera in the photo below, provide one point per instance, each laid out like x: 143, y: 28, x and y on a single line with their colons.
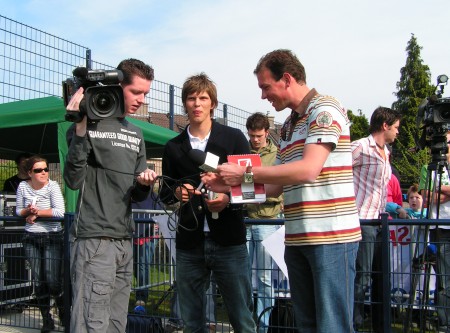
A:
x: 433, y: 117
x: 103, y: 96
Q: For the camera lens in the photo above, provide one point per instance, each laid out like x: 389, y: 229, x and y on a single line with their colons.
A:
x: 103, y: 102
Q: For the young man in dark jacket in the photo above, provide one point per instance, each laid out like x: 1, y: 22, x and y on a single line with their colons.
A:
x: 206, y: 243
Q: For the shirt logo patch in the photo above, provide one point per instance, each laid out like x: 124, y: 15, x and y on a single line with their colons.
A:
x: 324, y: 119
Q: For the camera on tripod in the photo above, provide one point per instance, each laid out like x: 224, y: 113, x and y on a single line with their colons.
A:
x: 103, y: 96
x: 433, y: 117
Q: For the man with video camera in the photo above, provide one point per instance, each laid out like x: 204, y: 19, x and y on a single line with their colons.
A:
x: 106, y: 161
x: 440, y: 235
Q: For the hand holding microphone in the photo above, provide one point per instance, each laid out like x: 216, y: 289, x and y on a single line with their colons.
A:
x: 207, y: 162
x: 213, y: 196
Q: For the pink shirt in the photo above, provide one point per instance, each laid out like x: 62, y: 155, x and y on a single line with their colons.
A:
x: 394, y: 191
x: 371, y: 174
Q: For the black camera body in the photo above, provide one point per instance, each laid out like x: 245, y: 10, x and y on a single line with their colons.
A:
x: 435, y: 110
x: 103, y: 96
x: 433, y: 117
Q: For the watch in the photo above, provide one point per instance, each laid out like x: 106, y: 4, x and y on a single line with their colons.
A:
x: 248, y: 175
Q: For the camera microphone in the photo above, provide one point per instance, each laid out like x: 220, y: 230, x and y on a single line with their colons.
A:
x: 80, y: 72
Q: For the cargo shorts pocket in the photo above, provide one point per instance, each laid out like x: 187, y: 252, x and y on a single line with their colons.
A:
x: 99, y: 307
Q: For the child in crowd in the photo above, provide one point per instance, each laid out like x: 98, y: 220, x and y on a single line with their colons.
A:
x: 415, y: 201
x: 414, y: 211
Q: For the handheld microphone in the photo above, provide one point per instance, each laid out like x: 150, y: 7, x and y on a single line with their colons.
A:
x: 207, y: 161
x: 211, y: 196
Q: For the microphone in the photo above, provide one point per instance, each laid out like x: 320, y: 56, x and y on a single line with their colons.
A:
x: 80, y: 72
x: 207, y: 162
x: 212, y: 196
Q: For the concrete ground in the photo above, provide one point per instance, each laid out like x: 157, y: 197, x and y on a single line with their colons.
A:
x: 24, y: 319
x: 28, y: 320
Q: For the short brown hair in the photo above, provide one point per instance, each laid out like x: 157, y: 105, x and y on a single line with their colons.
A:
x: 383, y: 115
x: 197, y: 84
x: 414, y: 188
x: 257, y: 122
x: 280, y: 62
x: 133, y: 67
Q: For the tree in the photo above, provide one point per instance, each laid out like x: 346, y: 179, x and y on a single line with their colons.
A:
x: 414, y: 86
x: 360, y: 125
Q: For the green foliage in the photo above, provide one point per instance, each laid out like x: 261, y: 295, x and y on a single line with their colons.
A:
x: 414, y: 86
x: 359, y: 127
x: 7, y: 169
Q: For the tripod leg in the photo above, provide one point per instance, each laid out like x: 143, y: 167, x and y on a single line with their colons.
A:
x: 416, y: 269
x: 163, y: 297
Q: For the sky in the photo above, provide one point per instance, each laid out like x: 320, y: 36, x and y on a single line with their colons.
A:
x: 351, y: 49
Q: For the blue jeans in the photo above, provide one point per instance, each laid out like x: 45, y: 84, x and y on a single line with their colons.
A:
x: 322, y: 279
x: 255, y: 235
x: 229, y: 265
x: 44, y: 253
x: 143, y: 256
x: 211, y: 298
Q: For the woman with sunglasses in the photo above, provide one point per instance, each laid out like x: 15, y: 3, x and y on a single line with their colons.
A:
x: 37, y: 199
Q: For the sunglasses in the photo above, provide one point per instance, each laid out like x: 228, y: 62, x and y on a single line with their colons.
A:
x: 39, y: 170
x: 288, y: 128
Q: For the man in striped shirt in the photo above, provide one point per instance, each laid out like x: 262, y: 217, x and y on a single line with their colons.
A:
x: 313, y: 170
x: 371, y: 173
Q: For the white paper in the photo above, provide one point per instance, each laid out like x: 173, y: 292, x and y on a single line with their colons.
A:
x: 274, y: 244
x: 169, y: 235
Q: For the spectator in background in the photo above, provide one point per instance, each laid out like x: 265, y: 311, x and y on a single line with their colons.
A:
x: 371, y: 174
x: 415, y: 201
x: 260, y: 143
x: 11, y: 184
x: 146, y: 234
x: 440, y: 235
x: 39, y: 198
x: 394, y: 201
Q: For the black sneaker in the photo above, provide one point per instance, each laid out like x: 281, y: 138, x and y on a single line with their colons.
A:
x: 48, y: 325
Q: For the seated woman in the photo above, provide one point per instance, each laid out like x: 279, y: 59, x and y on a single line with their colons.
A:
x: 37, y: 199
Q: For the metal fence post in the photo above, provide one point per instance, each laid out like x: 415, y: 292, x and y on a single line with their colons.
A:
x: 225, y: 114
x: 171, y: 106
x: 88, y: 59
x: 385, y: 273
x: 67, y: 297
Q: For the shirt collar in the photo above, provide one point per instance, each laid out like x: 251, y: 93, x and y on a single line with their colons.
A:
x: 301, y: 108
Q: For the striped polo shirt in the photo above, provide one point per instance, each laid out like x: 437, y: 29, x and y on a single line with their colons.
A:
x: 323, y: 212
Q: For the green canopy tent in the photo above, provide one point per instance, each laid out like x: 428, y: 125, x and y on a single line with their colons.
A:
x: 38, y: 126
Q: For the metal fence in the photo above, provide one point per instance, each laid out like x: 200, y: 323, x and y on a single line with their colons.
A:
x: 406, y: 278
x: 34, y: 64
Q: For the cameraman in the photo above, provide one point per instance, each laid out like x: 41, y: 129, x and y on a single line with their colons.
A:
x: 108, y: 175
x: 440, y: 236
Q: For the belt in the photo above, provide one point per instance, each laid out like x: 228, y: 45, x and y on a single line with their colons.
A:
x: 112, y: 239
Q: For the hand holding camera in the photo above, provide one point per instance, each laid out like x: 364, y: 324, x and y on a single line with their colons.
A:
x: 103, y: 96
x: 73, y: 108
